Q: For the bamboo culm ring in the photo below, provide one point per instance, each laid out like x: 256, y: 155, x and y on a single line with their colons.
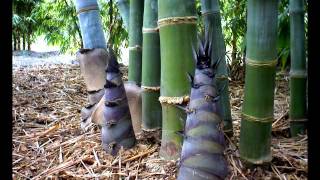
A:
x: 89, y: 8
x: 177, y: 20
x: 257, y: 119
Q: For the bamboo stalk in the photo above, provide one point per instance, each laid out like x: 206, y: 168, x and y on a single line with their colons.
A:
x: 177, y: 23
x: 124, y: 9
x: 135, y: 41
x: 298, y: 74
x: 257, y: 112
x: 151, y: 107
x: 212, y: 19
x: 90, y: 24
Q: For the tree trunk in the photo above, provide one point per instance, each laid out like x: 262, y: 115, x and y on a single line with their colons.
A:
x: 23, y: 41
x: 19, y: 41
x: 135, y: 41
x: 212, y: 19
x: 124, y: 9
x: 177, y: 36
x: 234, y: 47
x: 151, y: 107
x: 298, y: 74
x: 117, y: 130
x: 14, y: 41
x: 257, y: 111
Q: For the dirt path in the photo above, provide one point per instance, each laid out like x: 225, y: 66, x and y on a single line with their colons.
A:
x: 33, y: 58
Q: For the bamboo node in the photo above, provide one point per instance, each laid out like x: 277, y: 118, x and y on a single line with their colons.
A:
x: 89, y: 8
x: 177, y: 20
x: 270, y: 63
x: 174, y: 100
x: 222, y: 77
x: 298, y: 74
x: 150, y: 30
x: 205, y: 13
x: 257, y: 119
x: 135, y: 48
x: 299, y: 120
x: 151, y: 88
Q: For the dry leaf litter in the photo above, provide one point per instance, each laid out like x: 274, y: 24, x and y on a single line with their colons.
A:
x: 49, y: 144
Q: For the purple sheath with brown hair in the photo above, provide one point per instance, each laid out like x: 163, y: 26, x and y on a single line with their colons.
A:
x: 203, y: 145
x: 117, y: 130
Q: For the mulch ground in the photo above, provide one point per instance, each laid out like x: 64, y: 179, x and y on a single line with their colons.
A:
x: 49, y: 144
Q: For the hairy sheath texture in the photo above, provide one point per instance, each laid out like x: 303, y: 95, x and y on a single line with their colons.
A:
x: 202, y: 150
x: 117, y: 127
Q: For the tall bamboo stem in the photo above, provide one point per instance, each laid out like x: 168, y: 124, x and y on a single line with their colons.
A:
x: 135, y: 41
x: 257, y: 112
x: 212, y: 19
x: 177, y: 23
x: 298, y: 74
x: 151, y: 107
x: 124, y: 9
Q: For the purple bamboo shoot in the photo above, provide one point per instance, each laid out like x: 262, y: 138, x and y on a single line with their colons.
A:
x: 202, y: 150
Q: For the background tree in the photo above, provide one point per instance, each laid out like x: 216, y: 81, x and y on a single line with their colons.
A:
x: 24, y: 23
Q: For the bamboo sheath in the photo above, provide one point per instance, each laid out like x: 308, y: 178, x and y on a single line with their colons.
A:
x: 135, y: 41
x: 212, y: 19
x: 177, y: 27
x: 257, y: 111
x: 116, y: 130
x: 202, y: 151
x: 151, y: 107
x: 298, y: 74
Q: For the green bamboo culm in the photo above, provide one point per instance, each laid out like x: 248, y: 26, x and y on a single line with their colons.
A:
x: 151, y: 107
x: 177, y: 26
x: 261, y: 59
x: 135, y: 41
x: 124, y: 9
x: 212, y: 20
x: 298, y: 74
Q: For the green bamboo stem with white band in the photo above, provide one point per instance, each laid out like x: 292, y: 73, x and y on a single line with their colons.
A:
x: 177, y: 26
x: 298, y: 74
x: 151, y: 107
x: 135, y: 41
x: 212, y: 20
x: 261, y: 59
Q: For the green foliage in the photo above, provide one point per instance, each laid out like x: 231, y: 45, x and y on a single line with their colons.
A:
x: 112, y: 23
x: 233, y: 16
x: 283, y: 43
x: 23, y: 20
x: 58, y: 22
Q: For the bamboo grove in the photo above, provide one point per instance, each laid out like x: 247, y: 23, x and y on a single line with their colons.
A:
x: 183, y: 80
